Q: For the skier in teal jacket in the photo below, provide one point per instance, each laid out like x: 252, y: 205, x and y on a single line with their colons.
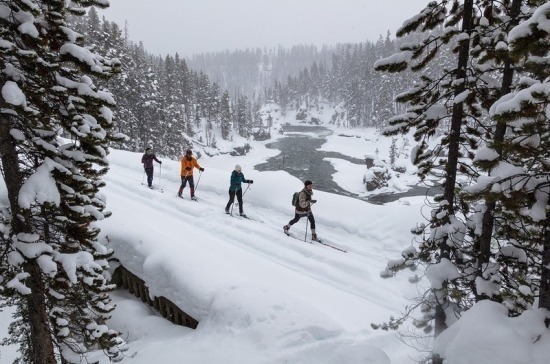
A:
x: 235, y: 189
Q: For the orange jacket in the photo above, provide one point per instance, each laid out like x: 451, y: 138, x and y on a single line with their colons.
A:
x: 187, y: 166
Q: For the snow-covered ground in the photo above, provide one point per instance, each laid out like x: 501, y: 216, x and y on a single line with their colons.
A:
x: 262, y: 297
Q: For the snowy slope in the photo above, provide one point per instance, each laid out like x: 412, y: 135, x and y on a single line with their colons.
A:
x: 260, y: 296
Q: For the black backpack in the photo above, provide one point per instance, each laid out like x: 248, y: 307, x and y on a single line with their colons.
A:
x: 295, y: 198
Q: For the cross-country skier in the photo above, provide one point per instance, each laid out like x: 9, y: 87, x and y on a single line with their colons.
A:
x: 237, y: 177
x: 147, y: 160
x: 303, y: 208
x: 188, y: 162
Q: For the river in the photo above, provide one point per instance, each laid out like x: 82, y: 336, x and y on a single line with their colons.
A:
x: 301, y: 158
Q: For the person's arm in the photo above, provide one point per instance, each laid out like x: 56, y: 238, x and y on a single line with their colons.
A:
x: 155, y: 158
x: 302, y: 200
x: 232, y: 182
x: 197, y: 165
x: 143, y: 158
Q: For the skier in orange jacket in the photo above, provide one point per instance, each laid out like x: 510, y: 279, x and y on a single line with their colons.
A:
x: 188, y: 162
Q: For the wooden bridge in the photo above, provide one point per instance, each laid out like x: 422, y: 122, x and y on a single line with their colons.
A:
x: 126, y: 279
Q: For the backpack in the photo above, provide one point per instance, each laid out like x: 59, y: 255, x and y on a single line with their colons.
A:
x: 295, y: 198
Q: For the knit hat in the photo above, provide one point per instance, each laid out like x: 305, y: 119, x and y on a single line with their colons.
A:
x: 307, y: 183
x: 238, y: 167
x: 188, y: 151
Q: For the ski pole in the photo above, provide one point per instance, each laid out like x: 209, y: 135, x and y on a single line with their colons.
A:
x: 160, y: 174
x: 246, y: 189
x: 197, y: 185
x: 143, y: 177
x: 307, y: 224
x: 234, y: 203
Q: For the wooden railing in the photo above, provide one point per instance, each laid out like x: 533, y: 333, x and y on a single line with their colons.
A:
x: 122, y: 277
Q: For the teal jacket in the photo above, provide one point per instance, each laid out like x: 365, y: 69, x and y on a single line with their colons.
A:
x: 236, y: 180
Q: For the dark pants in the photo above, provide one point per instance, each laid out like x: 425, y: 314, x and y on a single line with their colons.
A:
x: 184, y: 180
x: 149, y: 173
x: 232, y: 194
x: 299, y: 216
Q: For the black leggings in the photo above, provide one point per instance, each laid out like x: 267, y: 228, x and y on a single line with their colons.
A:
x: 299, y: 216
x: 232, y: 194
x: 149, y: 173
x: 184, y: 180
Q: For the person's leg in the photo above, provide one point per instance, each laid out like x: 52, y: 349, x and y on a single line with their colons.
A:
x: 291, y: 222
x: 191, y: 185
x: 149, y: 173
x: 240, y: 199
x: 231, y: 199
x: 182, y: 186
x: 295, y: 220
x: 312, y: 225
x: 311, y: 221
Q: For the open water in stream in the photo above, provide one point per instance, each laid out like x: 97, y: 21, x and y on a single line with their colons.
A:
x: 301, y: 158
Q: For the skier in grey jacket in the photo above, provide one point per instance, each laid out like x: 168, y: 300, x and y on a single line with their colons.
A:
x: 303, y: 208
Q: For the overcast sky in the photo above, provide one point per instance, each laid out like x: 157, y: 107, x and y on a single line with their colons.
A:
x: 196, y: 26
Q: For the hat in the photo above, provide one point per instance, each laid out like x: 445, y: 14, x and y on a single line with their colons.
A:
x: 188, y: 151
x: 307, y: 183
x: 238, y: 167
x: 148, y: 148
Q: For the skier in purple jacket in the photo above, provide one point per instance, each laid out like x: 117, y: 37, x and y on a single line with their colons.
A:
x: 147, y: 161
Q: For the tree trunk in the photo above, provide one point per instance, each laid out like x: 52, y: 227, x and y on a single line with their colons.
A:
x: 544, y: 289
x: 452, y: 160
x: 41, y: 345
x: 10, y: 166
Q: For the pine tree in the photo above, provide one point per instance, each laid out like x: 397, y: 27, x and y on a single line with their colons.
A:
x: 225, y: 116
x: 495, y: 64
x: 243, y: 113
x: 433, y: 102
x: 522, y: 181
x: 512, y: 141
x: 52, y: 264
x: 393, y: 151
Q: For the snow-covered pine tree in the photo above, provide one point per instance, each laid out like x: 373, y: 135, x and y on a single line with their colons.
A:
x: 225, y: 116
x: 521, y: 182
x: 51, y: 263
x: 495, y: 278
x: 438, y: 105
x: 173, y: 126
x: 241, y: 116
x: 393, y: 152
x: 500, y: 272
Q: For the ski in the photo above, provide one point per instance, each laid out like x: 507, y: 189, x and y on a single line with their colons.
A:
x: 183, y: 198
x: 243, y: 217
x: 158, y: 189
x: 331, y: 246
x: 318, y: 241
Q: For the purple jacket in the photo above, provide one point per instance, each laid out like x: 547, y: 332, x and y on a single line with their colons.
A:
x: 147, y: 160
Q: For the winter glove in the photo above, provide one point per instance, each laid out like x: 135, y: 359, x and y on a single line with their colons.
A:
x: 160, y: 162
x: 187, y: 168
x: 201, y: 169
x: 250, y: 181
x: 313, y: 201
